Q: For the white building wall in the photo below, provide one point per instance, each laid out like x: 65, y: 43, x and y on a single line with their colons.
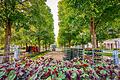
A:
x: 114, y: 42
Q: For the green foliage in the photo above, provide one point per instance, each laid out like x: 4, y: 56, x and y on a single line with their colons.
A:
x: 43, y: 22
x: 30, y: 19
x: 74, y: 20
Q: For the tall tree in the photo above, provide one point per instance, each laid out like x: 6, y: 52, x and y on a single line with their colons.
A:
x: 9, y: 13
x: 93, y: 13
x: 25, y: 16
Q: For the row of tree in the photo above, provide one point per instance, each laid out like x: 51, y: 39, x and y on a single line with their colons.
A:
x: 25, y: 22
x: 84, y: 21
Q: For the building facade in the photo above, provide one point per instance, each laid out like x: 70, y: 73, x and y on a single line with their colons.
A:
x: 112, y: 43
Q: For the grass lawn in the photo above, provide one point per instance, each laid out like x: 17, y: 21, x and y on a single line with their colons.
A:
x: 109, y: 54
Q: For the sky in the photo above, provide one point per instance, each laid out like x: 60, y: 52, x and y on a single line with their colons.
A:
x: 54, y: 9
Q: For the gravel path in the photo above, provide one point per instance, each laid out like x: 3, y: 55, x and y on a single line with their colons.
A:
x: 55, y: 55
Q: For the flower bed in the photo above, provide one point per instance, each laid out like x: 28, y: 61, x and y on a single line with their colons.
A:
x: 50, y: 69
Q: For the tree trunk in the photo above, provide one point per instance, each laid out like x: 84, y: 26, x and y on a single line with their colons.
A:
x: 69, y: 43
x: 39, y: 45
x: 69, y: 40
x: 87, y: 45
x: 93, y: 33
x: 97, y: 44
x: 7, y: 40
x: 26, y: 45
x: 45, y: 47
x: 49, y: 46
x: 82, y: 46
x: 64, y: 44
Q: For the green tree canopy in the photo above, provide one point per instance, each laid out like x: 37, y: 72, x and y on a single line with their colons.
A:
x: 96, y: 17
x: 24, y: 21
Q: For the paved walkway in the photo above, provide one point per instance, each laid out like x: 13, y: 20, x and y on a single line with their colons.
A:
x: 55, y: 55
